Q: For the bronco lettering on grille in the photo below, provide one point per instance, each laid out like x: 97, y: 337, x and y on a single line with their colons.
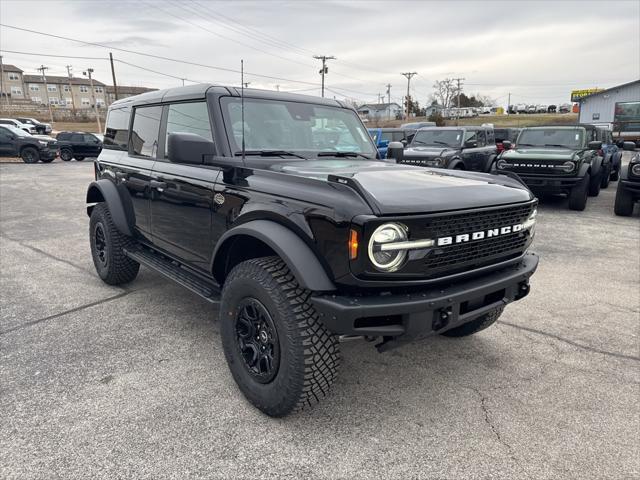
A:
x: 479, y: 235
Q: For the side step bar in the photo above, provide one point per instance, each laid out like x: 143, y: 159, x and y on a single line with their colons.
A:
x: 172, y: 270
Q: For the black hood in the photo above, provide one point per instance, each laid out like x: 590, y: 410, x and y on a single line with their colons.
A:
x: 401, y: 189
x: 429, y: 152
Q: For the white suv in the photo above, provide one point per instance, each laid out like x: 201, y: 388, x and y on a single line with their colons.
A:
x: 22, y: 126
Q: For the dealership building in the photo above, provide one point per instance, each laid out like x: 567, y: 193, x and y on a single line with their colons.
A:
x: 618, y: 106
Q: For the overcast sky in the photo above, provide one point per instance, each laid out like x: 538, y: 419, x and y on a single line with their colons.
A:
x: 539, y: 51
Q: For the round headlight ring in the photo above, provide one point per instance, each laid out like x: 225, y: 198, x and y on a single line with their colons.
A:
x: 502, y: 164
x: 389, y: 261
x: 568, y: 166
x: 635, y: 169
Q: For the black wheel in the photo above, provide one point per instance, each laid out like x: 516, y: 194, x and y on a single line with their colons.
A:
x: 79, y: 158
x: 578, y: 194
x: 30, y: 155
x: 606, y: 177
x: 477, y: 325
x: 280, y: 354
x: 66, y: 154
x: 107, y: 244
x: 594, y: 184
x: 615, y: 175
x: 624, y: 202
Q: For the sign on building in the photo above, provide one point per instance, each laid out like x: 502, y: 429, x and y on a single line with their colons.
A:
x: 576, y: 95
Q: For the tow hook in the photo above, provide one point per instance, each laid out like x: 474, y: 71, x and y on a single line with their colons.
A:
x: 441, y: 318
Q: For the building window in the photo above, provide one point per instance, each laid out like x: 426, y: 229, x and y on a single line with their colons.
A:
x: 85, y: 101
x: 16, y: 91
x: 68, y: 101
x: 52, y: 88
x: 100, y: 102
x: 54, y: 101
x: 14, y: 76
x: 36, y: 99
x: 67, y: 88
x: 83, y: 89
x: 99, y: 90
x: 34, y: 87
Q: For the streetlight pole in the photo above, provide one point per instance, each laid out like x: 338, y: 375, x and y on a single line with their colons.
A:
x: 324, y: 69
x: 408, y: 75
x: 93, y: 98
x: 389, y: 99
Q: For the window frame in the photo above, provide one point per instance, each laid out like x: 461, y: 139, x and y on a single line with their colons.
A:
x: 164, y: 124
x: 13, y: 76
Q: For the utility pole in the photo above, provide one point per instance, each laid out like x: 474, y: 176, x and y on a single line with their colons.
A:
x: 509, y: 104
x: 46, y: 90
x: 2, y: 81
x: 459, y: 90
x: 113, y: 75
x: 277, y: 88
x: 408, y: 75
x: 73, y: 102
x: 389, y: 99
x: 246, y: 84
x: 93, y: 97
x: 324, y: 70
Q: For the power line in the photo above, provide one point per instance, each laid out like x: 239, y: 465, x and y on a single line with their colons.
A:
x: 158, y: 73
x: 52, y: 55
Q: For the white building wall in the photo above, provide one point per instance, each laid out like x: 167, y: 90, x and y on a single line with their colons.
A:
x: 600, y: 108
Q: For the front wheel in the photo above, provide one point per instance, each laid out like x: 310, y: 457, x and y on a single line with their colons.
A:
x: 66, y: 154
x: 79, y: 158
x: 280, y: 354
x: 594, y: 184
x: 578, y: 194
x: 623, y: 206
x: 475, y: 326
x: 30, y: 155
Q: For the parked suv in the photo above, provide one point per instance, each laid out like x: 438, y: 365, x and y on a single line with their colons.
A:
x: 557, y: 160
x: 17, y: 124
x: 502, y: 134
x: 41, y: 127
x: 382, y: 136
x: 612, y: 155
x: 628, y: 191
x: 457, y: 148
x: 15, y: 142
x: 300, y: 240
x: 78, y: 145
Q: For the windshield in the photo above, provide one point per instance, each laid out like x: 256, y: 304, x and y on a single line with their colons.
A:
x: 17, y: 131
x: 305, y: 128
x: 551, y: 137
x: 438, y: 138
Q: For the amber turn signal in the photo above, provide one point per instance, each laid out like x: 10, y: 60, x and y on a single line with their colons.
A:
x: 353, y: 244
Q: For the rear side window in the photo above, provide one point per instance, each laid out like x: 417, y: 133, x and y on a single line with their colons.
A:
x: 77, y: 138
x: 88, y: 138
x: 144, y: 133
x: 116, y: 135
x: 188, y: 118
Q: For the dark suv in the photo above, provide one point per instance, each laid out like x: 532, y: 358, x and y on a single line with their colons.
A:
x: 457, y: 148
x: 502, y: 134
x: 14, y: 142
x: 78, y: 145
x: 628, y: 191
x: 274, y: 207
x: 41, y: 127
x: 557, y: 160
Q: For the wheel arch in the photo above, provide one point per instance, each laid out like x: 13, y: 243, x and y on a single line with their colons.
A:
x: 121, y: 211
x: 457, y: 162
x: 259, y: 238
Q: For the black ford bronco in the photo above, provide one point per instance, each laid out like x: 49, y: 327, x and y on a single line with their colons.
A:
x: 557, y: 160
x: 457, y: 148
x: 628, y: 191
x: 275, y: 207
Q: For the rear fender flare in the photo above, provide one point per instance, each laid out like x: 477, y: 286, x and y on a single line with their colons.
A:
x: 119, y: 204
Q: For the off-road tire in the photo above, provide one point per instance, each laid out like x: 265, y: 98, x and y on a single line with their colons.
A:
x: 30, y: 155
x: 79, y: 158
x: 615, y: 175
x: 606, y: 177
x: 594, y: 184
x: 475, y: 326
x: 623, y: 205
x: 309, y: 354
x: 66, y: 154
x: 118, y: 268
x: 578, y: 194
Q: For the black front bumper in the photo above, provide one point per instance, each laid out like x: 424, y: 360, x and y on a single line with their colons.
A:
x: 550, y: 183
x: 48, y: 153
x: 631, y: 186
x: 406, y: 317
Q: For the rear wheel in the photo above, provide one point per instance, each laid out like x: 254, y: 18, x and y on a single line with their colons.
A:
x: 30, y: 155
x: 79, y: 158
x: 594, y: 184
x: 578, y: 194
x: 624, y: 202
x: 280, y: 354
x: 66, y: 154
x: 475, y: 326
x: 606, y: 177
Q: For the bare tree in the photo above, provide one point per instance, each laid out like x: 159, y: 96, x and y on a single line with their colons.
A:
x: 444, y: 91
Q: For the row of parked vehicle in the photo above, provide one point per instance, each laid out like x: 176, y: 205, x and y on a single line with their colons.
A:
x: 576, y: 161
x: 32, y: 142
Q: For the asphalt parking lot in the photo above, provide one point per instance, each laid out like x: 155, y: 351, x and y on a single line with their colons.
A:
x: 99, y: 381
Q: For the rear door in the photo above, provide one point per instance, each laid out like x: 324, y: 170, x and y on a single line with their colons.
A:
x: 182, y: 194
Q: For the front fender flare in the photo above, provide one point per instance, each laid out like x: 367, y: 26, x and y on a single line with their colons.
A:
x: 121, y: 212
x: 300, y: 259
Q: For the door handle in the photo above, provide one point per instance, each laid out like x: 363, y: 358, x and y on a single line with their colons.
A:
x: 160, y: 186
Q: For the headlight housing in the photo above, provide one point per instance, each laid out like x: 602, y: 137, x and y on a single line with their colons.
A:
x: 568, y: 166
x: 634, y: 168
x: 392, y: 260
x: 42, y: 142
x: 436, y: 162
x: 530, y: 223
x: 502, y: 164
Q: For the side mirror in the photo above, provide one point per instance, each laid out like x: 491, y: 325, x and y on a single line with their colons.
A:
x: 629, y: 146
x: 470, y: 144
x: 595, y: 145
x: 404, y: 142
x: 395, y: 151
x: 188, y: 148
x: 506, y: 144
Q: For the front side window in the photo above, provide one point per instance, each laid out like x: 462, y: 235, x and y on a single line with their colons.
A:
x: 143, y: 140
x: 438, y: 138
x: 188, y: 118
x: 116, y: 135
x: 551, y: 137
x: 305, y: 128
x: 471, y: 136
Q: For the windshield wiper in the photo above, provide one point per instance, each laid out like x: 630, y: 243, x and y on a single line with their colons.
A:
x: 555, y: 145
x: 343, y: 154
x: 438, y: 142
x: 526, y: 145
x: 271, y: 153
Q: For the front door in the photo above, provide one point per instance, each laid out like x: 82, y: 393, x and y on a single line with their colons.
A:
x: 7, y: 142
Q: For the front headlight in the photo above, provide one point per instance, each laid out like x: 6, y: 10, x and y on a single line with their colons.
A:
x: 567, y: 166
x: 42, y: 142
x: 387, y: 260
x: 530, y: 223
x: 436, y: 162
x: 502, y: 164
x: 635, y: 169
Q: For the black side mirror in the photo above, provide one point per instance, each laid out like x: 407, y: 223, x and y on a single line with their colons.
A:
x: 506, y: 144
x: 629, y: 146
x: 595, y: 145
x: 395, y: 150
x: 470, y: 144
x: 188, y: 148
x: 404, y: 142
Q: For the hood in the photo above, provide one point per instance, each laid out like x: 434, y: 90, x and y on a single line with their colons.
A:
x: 431, y: 152
x: 401, y: 189
x: 45, y: 137
x: 539, y: 153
